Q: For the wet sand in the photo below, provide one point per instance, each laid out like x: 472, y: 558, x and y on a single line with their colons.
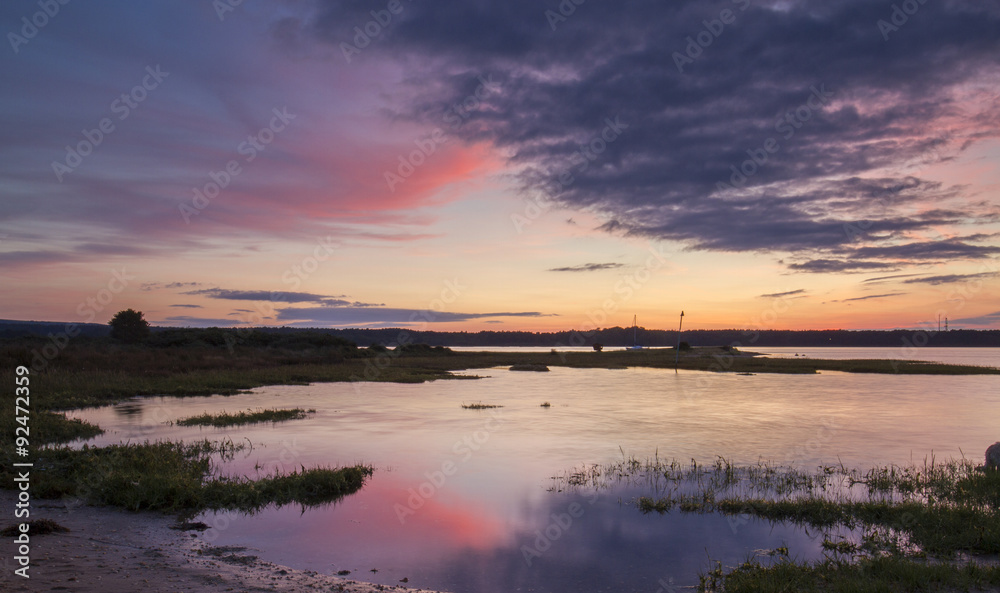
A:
x: 109, y: 550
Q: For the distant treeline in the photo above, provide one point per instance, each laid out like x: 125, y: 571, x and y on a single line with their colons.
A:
x: 610, y: 337
x: 21, y: 329
x: 623, y: 336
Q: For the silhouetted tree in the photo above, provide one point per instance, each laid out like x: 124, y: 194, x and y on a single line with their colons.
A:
x: 129, y: 326
x: 598, y: 347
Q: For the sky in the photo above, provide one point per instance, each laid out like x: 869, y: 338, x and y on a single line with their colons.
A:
x: 518, y: 165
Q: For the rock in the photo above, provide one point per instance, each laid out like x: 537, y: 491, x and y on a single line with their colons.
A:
x: 993, y: 456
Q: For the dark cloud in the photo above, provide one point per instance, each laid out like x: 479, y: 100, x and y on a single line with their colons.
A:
x: 31, y: 258
x: 778, y: 295
x: 873, y: 296
x: 279, y: 297
x: 78, y: 253
x: 263, y: 295
x: 588, y: 268
x: 187, y: 306
x: 824, y: 266
x: 657, y: 152
x: 932, y: 250
x: 891, y: 257
x: 950, y: 278
x: 188, y: 321
x: 343, y: 303
x: 988, y: 319
x: 592, y: 112
x: 831, y: 218
x: 148, y: 286
x: 367, y: 315
x: 886, y: 278
x: 111, y: 249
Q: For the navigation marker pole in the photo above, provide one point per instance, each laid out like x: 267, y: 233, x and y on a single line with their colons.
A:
x: 677, y: 358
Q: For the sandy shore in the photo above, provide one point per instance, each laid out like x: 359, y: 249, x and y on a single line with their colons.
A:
x: 108, y: 550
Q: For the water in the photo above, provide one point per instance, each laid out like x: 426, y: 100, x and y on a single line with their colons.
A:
x: 464, y: 500
x: 975, y: 356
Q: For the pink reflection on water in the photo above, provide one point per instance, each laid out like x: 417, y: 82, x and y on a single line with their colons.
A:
x: 363, y: 527
x: 444, y: 520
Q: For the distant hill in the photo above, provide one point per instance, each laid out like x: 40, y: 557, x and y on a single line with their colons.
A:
x: 611, y: 337
x: 20, y: 329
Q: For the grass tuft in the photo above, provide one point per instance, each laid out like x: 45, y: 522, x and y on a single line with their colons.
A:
x: 308, y: 487
x: 480, y: 406
x: 530, y: 367
x: 248, y: 417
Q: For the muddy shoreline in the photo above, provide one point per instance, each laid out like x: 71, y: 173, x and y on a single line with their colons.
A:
x: 108, y: 549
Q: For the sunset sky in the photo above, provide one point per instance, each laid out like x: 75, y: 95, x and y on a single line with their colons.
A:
x: 515, y: 165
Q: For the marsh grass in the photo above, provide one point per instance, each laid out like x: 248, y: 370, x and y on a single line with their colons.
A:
x: 150, y: 476
x: 530, y: 367
x: 248, y: 417
x: 92, y: 373
x: 882, y: 574
x: 308, y: 488
x: 903, y: 525
x: 175, y: 477
x: 61, y: 388
x: 722, y: 476
x: 45, y: 428
x: 52, y: 427
x: 938, y: 509
x: 480, y: 406
x: 170, y: 476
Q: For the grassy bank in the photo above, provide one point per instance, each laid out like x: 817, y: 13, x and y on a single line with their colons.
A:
x: 96, y: 372
x: 168, y: 476
x: 179, y: 478
x: 241, y: 418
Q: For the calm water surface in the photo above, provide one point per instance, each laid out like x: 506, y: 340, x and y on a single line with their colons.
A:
x: 462, y: 500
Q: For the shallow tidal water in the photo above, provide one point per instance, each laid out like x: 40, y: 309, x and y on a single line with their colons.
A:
x: 464, y: 500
